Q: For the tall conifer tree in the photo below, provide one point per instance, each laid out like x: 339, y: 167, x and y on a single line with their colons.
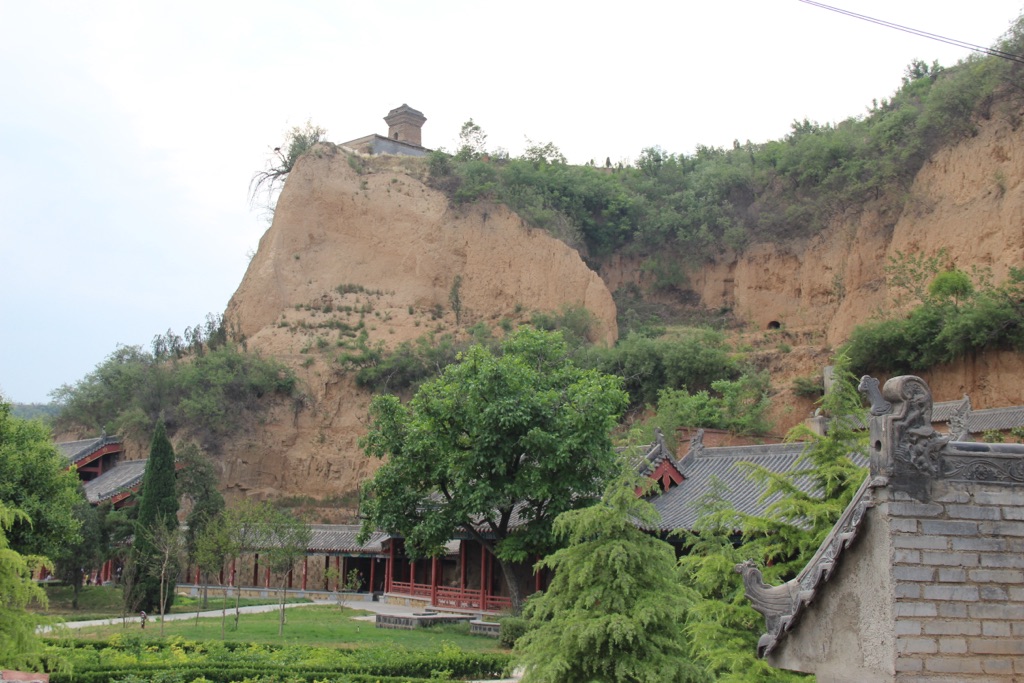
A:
x: 158, y: 505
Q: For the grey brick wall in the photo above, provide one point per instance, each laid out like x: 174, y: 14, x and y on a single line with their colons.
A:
x: 958, y: 574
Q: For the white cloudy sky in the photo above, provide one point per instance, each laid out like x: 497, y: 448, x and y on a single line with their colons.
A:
x: 129, y: 130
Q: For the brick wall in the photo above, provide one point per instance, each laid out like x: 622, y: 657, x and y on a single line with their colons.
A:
x: 958, y: 574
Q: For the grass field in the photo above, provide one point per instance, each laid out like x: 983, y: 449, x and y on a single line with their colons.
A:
x: 316, y: 625
x: 104, y: 602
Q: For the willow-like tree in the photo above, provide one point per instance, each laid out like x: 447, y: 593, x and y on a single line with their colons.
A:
x: 613, y: 612
x: 19, y: 645
x: 158, y: 505
x: 494, y: 449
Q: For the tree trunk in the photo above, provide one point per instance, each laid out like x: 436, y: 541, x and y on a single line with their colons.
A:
x: 280, y: 623
x: 516, y: 575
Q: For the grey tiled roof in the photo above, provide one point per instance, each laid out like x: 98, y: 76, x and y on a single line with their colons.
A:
x: 124, y: 476
x: 341, y: 538
x: 76, y: 450
x: 677, y: 506
x: 979, y: 421
x: 995, y: 418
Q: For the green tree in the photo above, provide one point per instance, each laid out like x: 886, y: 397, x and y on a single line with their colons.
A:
x: 614, y: 609
x: 167, y: 542
x: 90, y: 551
x: 214, y: 546
x: 19, y: 646
x: 34, y: 478
x: 495, y: 448
x: 286, y: 541
x: 298, y: 141
x: 455, y: 298
x: 794, y: 526
x: 158, y: 507
x: 472, y: 141
x: 197, y: 482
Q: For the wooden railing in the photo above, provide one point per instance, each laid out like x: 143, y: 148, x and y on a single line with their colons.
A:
x: 453, y: 598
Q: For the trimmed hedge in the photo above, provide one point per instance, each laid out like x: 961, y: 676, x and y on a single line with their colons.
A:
x: 176, y: 660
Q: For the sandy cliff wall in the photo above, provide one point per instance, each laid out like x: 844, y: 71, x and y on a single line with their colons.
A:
x: 968, y: 200
x: 370, y: 224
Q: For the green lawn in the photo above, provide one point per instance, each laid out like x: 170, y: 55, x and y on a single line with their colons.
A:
x: 104, y: 602
x: 318, y: 626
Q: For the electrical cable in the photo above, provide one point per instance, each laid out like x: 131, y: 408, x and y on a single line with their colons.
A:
x: 993, y: 52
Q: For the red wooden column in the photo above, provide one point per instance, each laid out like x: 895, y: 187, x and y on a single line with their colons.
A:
x: 267, y: 584
x: 433, y: 581
x: 389, y: 568
x: 462, y: 570
x: 343, y: 576
x: 232, y: 576
x: 483, y: 576
x: 412, y: 577
x: 305, y: 570
x: 199, y: 577
x: 373, y: 572
x: 337, y: 569
x: 327, y: 565
x: 256, y: 570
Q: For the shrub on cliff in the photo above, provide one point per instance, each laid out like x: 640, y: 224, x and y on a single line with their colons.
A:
x: 210, y: 394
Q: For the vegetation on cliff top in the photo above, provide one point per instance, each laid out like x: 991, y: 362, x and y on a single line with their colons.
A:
x: 677, y: 207
x: 202, y: 381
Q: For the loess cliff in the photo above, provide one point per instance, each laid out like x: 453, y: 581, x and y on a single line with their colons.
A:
x: 361, y: 244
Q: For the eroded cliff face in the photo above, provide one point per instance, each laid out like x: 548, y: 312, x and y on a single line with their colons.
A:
x: 967, y: 200
x: 395, y: 246
x: 361, y: 246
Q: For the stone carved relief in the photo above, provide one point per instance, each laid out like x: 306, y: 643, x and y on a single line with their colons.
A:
x: 915, y: 444
x: 958, y: 430
x: 696, y: 443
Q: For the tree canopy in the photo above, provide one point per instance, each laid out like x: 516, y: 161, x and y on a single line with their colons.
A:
x: 614, y: 609
x: 19, y: 646
x: 158, y: 507
x: 34, y: 478
x: 495, y: 448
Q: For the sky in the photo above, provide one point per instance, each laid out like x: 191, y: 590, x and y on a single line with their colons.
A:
x: 129, y: 131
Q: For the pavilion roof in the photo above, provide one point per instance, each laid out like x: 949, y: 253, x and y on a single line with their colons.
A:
x: 77, y: 450
x: 126, y: 475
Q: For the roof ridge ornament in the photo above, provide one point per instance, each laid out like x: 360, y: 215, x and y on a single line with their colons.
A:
x: 958, y: 429
x: 869, y: 387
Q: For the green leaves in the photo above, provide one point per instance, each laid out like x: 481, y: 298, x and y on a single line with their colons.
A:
x: 522, y: 430
x: 613, y: 609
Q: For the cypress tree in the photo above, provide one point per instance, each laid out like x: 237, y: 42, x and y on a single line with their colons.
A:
x: 158, y: 505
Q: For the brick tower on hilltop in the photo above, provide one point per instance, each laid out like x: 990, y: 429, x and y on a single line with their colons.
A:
x: 405, y: 124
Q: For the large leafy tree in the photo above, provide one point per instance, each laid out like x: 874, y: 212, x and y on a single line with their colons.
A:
x: 614, y: 609
x: 158, y: 506
x: 34, y: 479
x: 495, y: 448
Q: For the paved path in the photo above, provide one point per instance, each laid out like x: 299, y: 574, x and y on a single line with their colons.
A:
x: 369, y: 606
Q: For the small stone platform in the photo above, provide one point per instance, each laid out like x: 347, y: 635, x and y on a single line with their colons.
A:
x: 414, y: 620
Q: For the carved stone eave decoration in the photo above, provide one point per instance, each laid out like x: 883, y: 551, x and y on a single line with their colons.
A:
x: 958, y: 429
x: 782, y: 605
x: 904, y: 445
x: 909, y: 455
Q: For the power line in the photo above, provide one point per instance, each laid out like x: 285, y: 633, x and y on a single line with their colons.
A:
x: 924, y: 34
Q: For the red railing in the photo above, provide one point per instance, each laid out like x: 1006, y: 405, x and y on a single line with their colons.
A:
x: 453, y: 598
